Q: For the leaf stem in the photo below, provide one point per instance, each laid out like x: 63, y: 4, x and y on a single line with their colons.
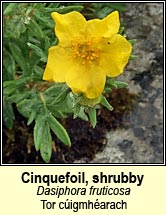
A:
x: 44, y: 101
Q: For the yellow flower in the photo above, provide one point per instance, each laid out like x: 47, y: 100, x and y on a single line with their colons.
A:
x: 87, y: 52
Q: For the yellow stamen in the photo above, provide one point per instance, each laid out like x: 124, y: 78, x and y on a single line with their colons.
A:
x: 84, y: 50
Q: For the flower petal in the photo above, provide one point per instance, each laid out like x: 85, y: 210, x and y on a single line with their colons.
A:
x: 115, y: 55
x: 106, y: 27
x: 68, y: 26
x: 59, y: 60
x: 87, y: 80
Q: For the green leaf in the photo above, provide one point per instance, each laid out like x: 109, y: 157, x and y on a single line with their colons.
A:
x: 107, y: 89
x: 19, y: 29
x: 105, y: 103
x: 57, y: 113
x: 56, y: 89
x: 18, y: 96
x: 42, y: 137
x: 103, y: 12
x: 37, y: 73
x: 63, y: 9
x: 10, y: 87
x: 76, y: 111
x: 70, y: 8
x: 80, y: 113
x: 9, y: 9
x: 133, y: 57
x: 38, y: 131
x: 121, y: 30
x: 47, y: 43
x: 31, y: 118
x: 8, y: 114
x: 132, y: 42
x: 72, y: 101
x: 38, y: 52
x: 26, y: 106
x: 118, y: 6
x: 111, y: 83
x: 17, y: 82
x: 92, y: 116
x: 46, y: 20
x: 115, y: 84
x: 35, y: 29
x: 18, y: 55
x: 121, y: 84
x: 56, y: 93
x: 59, y: 130
x: 9, y: 65
x: 61, y: 97
x: 55, y: 5
x: 46, y: 144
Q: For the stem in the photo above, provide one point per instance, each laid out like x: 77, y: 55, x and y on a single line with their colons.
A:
x: 44, y: 102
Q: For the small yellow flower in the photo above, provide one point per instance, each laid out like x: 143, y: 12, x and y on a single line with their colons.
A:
x: 87, y: 52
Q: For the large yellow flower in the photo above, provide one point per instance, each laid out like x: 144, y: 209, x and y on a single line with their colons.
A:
x: 87, y: 52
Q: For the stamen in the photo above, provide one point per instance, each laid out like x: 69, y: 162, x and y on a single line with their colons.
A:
x: 84, y: 50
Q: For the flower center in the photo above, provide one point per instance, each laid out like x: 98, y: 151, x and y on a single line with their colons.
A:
x: 85, y: 50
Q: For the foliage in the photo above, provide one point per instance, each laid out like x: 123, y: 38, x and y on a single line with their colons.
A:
x: 101, y: 10
x: 27, y: 35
